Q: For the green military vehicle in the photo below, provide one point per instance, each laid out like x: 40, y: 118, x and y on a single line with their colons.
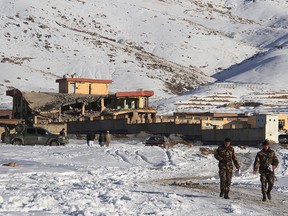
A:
x: 25, y: 135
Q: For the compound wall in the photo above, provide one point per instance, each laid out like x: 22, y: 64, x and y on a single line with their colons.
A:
x: 244, y: 136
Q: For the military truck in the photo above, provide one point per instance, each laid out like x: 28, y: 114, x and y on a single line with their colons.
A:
x: 25, y: 135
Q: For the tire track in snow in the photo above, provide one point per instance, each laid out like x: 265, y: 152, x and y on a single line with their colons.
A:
x: 144, y: 158
x: 117, y: 154
x: 169, y: 158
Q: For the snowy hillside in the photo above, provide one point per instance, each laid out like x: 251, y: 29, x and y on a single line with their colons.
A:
x: 169, y: 46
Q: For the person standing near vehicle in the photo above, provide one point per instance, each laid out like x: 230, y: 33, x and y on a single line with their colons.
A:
x: 90, y: 138
x: 267, y: 161
x: 107, y: 139
x: 62, y: 132
x: 226, y: 156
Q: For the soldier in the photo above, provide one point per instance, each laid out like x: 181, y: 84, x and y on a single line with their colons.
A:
x: 267, y: 161
x: 225, y: 154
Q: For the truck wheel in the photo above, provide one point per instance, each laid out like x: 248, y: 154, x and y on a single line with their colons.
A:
x: 54, y: 143
x: 17, y: 142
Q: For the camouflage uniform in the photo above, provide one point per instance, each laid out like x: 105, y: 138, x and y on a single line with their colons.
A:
x: 263, y: 159
x: 225, y: 156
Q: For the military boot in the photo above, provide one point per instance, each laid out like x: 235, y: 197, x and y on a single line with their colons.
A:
x: 269, y: 195
x: 221, y: 193
x: 226, y: 195
x: 264, y: 197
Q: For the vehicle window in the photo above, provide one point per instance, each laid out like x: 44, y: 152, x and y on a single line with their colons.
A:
x: 41, y: 131
x: 31, y: 131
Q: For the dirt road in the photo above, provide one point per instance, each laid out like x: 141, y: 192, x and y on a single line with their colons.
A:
x: 248, y: 196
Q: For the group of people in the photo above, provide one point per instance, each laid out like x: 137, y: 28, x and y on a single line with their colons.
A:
x: 266, y: 161
x: 103, y: 139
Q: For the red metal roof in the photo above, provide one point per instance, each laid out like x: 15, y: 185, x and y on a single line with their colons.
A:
x: 135, y: 94
x: 83, y: 80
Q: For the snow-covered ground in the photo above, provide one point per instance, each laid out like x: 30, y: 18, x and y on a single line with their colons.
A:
x: 238, y: 48
x: 129, y: 178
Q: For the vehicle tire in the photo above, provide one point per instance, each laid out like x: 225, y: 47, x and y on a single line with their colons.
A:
x: 54, y: 143
x: 17, y: 142
x: 20, y: 128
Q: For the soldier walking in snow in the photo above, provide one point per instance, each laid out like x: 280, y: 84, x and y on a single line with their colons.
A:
x: 226, y: 156
x: 267, y: 161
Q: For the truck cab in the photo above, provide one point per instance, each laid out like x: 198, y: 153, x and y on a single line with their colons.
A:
x: 24, y: 135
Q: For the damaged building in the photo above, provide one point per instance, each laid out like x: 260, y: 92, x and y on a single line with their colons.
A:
x: 81, y: 99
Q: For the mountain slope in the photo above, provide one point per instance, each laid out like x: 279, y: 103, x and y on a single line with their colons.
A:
x: 167, y: 46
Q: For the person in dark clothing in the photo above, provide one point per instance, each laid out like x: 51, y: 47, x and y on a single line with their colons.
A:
x: 62, y: 132
x: 90, y: 138
x: 101, y: 139
x: 226, y: 156
x: 267, y: 161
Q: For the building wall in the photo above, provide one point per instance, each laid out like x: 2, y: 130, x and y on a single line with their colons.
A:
x: 260, y: 121
x: 284, y: 119
x: 225, y: 123
x: 252, y: 121
x: 100, y: 88
x: 122, y: 126
x: 84, y: 88
x: 247, y: 136
x: 270, y: 124
x: 63, y: 87
x: 244, y: 136
x: 81, y: 88
x: 272, y: 128
x: 91, y: 88
x: 236, y: 124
